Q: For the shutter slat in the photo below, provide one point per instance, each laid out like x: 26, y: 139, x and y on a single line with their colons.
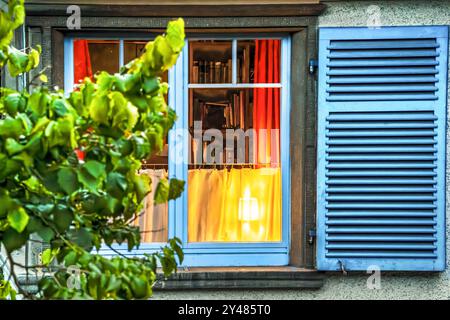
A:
x: 383, y: 54
x: 429, y: 230
x: 380, y: 158
x: 382, y: 116
x: 386, y: 206
x: 359, y: 189
x: 373, y: 133
x: 390, y: 173
x: 380, y: 97
x: 382, y: 63
x: 386, y: 197
x: 385, y: 238
x: 369, y: 125
x: 376, y: 254
x: 385, y: 44
x: 411, y: 246
x: 380, y: 213
x: 384, y: 181
x: 380, y: 149
x: 381, y: 71
x: 381, y: 166
x: 379, y: 221
x: 385, y: 141
x: 383, y: 88
x: 371, y: 80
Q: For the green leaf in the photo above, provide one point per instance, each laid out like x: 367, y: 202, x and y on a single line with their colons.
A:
x: 116, y: 184
x: 46, y: 233
x: 39, y: 102
x: 48, y: 255
x: 95, y: 168
x: 142, y: 185
x: 18, y: 219
x: 62, y: 217
x: 81, y: 237
x: 68, y: 180
x: 13, y: 147
x: 162, y: 192
x: 11, y: 128
x: 15, y: 102
x: 176, y: 188
x: 17, y: 62
x: 151, y: 85
x: 13, y: 240
x: 99, y: 109
x: 43, y: 78
x: 71, y: 258
x: 175, y: 34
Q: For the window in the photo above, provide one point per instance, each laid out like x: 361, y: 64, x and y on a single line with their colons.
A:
x: 230, y: 144
x: 91, y: 56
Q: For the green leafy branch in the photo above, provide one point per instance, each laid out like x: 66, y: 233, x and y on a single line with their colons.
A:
x: 69, y: 167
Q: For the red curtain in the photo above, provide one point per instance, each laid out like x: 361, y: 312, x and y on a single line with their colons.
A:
x: 266, y: 103
x: 81, y: 60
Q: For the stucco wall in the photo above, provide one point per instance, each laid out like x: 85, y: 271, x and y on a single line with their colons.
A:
x: 393, y: 286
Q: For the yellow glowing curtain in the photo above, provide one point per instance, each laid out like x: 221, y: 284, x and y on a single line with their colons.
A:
x: 214, y: 198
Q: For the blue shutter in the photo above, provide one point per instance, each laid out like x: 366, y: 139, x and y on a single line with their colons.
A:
x: 381, y: 148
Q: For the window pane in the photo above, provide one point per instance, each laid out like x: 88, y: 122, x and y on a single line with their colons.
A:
x: 234, y: 178
x: 92, y: 56
x: 153, y: 220
x: 210, y: 61
x: 135, y: 48
x: 258, y: 61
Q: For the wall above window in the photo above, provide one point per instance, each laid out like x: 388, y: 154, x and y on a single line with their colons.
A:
x: 184, y: 8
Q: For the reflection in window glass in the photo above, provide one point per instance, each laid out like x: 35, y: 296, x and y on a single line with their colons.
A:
x: 210, y: 61
x: 92, y: 56
x: 258, y: 61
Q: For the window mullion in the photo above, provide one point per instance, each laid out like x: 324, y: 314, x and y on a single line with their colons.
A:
x: 121, y: 53
x: 234, y: 61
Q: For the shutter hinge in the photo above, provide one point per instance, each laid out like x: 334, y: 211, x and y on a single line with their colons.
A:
x: 342, y: 266
x: 313, y: 64
x: 312, y: 236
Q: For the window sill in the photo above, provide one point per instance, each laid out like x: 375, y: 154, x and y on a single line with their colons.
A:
x: 242, y: 278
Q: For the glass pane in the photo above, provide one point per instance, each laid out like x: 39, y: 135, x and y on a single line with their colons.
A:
x: 92, y: 56
x: 210, y: 61
x: 135, y: 48
x: 153, y: 220
x: 234, y: 178
x: 258, y: 61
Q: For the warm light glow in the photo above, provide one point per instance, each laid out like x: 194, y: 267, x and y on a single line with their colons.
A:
x: 248, y: 207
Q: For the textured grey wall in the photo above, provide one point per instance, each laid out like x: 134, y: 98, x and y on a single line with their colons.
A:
x: 393, y: 286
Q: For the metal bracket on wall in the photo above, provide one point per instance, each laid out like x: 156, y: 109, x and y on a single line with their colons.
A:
x: 313, y: 64
x: 312, y: 236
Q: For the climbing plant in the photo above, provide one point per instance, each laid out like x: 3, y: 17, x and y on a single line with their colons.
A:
x: 69, y: 170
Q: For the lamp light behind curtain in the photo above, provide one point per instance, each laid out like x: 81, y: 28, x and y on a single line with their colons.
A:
x: 266, y: 105
x: 214, y: 199
x: 82, y: 60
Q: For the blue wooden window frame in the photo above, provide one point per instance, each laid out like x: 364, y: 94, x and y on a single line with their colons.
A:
x: 211, y: 254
